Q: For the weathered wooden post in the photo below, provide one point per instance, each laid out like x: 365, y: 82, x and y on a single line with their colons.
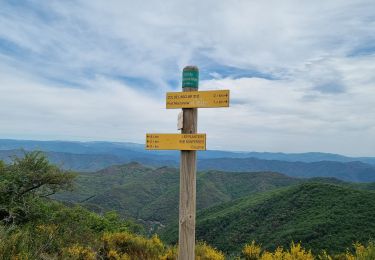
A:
x: 188, y: 142
x: 188, y: 172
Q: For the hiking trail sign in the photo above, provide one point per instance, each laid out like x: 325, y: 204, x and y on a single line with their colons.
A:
x: 188, y: 142
x: 195, y: 99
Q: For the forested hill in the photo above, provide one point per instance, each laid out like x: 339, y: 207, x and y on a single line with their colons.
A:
x: 152, y: 194
x: 348, y: 171
x: 320, y: 215
x: 32, y: 226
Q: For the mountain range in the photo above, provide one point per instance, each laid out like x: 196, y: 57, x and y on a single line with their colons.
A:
x: 325, y: 201
x: 151, y: 194
x: 132, y: 151
x: 93, y: 156
x: 235, y: 208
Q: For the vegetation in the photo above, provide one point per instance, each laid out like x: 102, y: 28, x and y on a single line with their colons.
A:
x: 34, y: 227
x: 326, y: 217
x: 322, y: 216
x: 297, y: 252
x: 149, y: 194
x: 24, y: 182
x: 353, y: 171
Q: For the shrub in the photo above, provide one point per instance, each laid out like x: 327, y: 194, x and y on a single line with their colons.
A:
x: 78, y: 252
x: 296, y: 252
x: 206, y: 252
x: 136, y: 247
x: 202, y: 252
x: 251, y: 251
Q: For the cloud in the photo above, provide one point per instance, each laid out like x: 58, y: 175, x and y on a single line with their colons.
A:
x: 300, y: 73
x: 109, y: 110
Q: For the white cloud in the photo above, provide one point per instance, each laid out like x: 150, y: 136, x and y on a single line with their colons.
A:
x: 64, y: 78
x: 108, y: 110
x: 290, y: 114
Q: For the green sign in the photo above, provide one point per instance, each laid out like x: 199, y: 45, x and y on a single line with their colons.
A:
x: 190, y: 77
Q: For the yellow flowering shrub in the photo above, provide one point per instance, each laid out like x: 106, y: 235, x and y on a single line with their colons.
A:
x: 325, y: 256
x: 278, y: 254
x: 171, y: 254
x: 206, y: 252
x: 362, y: 252
x: 252, y: 251
x: 113, y: 255
x: 123, y: 244
x: 296, y: 252
x: 78, y: 252
x: 202, y: 252
x: 49, y: 230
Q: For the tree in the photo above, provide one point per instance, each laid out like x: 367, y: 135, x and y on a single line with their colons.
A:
x: 26, y: 181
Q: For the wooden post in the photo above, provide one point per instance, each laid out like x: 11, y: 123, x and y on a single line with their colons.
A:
x: 188, y: 165
x: 188, y: 142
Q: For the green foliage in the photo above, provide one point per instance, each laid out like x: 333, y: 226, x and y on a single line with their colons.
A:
x: 353, y: 171
x: 120, y: 245
x: 35, y: 227
x: 24, y: 182
x: 202, y: 252
x: 321, y: 216
x: 60, y: 227
x: 150, y: 194
x: 59, y: 238
x: 2, y: 166
x: 78, y: 252
x: 364, y: 252
x: 297, y: 252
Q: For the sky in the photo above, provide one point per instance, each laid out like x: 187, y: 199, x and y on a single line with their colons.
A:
x: 301, y: 73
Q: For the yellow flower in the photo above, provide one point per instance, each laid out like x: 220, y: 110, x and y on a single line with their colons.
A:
x: 252, y: 251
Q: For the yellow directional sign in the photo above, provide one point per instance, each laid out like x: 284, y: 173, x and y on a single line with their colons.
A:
x: 192, y: 142
x: 194, y: 99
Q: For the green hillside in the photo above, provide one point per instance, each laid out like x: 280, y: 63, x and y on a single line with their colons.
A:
x: 34, y: 227
x: 152, y: 194
x: 329, y: 215
x: 320, y: 215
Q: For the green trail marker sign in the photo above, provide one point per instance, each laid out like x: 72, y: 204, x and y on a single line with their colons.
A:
x: 190, y: 76
x: 188, y: 142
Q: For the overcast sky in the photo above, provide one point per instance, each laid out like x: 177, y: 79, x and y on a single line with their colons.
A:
x: 301, y: 73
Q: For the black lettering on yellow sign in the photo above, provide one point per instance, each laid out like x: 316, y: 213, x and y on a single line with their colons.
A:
x: 176, y: 141
x: 195, y: 99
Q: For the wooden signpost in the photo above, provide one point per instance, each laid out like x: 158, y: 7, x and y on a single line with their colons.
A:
x: 188, y: 142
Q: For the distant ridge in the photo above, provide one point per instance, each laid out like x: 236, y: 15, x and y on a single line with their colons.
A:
x: 134, y: 150
x: 93, y: 156
x: 355, y: 171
